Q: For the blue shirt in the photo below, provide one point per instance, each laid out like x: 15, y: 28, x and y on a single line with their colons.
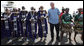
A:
x: 53, y: 15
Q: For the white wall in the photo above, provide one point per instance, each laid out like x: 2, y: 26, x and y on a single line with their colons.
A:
x: 73, y: 5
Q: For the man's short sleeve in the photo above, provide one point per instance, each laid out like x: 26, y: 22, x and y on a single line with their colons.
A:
x: 58, y: 11
x: 48, y: 13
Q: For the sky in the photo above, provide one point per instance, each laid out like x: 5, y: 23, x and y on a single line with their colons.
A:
x: 72, y: 5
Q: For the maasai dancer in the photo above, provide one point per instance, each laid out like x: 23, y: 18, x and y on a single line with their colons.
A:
x: 22, y: 18
x: 78, y: 20
x: 32, y: 23
x: 15, y: 23
x: 66, y: 23
x: 42, y: 24
x: 6, y: 24
x: 60, y: 20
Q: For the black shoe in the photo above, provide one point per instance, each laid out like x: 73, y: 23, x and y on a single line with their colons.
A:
x: 58, y: 39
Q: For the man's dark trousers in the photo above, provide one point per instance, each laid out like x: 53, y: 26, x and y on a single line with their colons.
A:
x: 52, y: 32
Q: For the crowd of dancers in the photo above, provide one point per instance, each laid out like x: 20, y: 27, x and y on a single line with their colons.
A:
x: 23, y: 23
